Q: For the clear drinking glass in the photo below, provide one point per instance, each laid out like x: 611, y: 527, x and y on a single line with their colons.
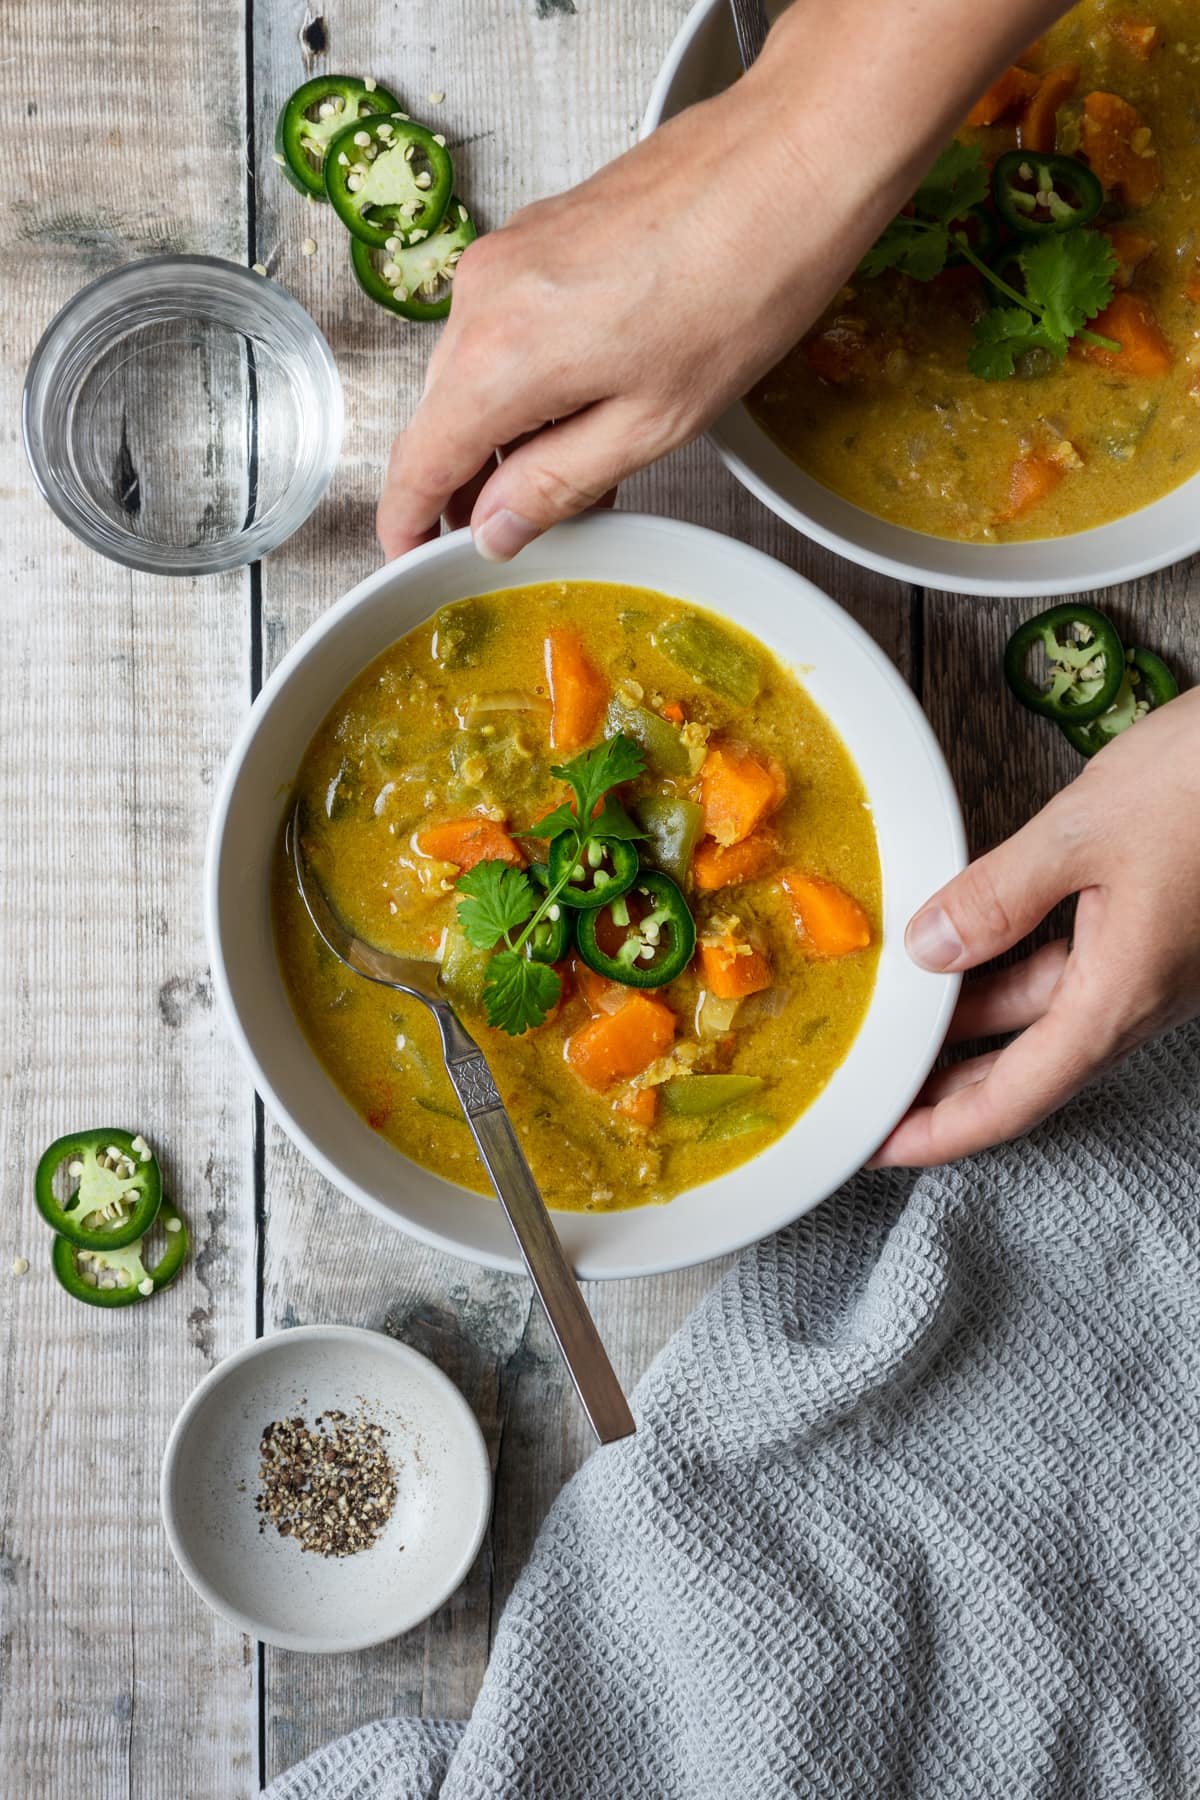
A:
x: 183, y: 415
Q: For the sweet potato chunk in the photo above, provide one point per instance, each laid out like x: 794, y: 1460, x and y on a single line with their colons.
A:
x: 617, y: 1046
x: 829, y: 920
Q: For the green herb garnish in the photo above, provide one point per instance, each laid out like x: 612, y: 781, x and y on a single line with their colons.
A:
x: 918, y: 243
x: 1068, y: 277
x: 499, y: 901
x: 589, y: 777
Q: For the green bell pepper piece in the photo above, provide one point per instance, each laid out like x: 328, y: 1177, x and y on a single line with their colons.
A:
x: 700, y: 1096
x: 462, y: 633
x: 673, y: 828
x: 454, y: 1113
x: 661, y: 743
x: 737, y: 1123
x: 464, y: 968
x: 713, y: 657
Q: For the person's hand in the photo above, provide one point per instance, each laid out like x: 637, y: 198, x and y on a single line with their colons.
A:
x: 600, y: 329
x: 608, y: 325
x: 1125, y: 837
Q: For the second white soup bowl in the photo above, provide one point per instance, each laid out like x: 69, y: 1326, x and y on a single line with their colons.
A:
x: 700, y: 63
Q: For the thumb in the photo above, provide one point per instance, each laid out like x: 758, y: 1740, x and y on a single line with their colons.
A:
x: 999, y: 898
x: 554, y: 474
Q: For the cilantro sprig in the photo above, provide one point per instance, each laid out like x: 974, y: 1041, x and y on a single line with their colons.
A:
x: 917, y: 242
x: 499, y: 906
x: 1068, y: 277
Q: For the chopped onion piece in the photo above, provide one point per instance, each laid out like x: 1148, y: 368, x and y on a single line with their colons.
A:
x: 478, y: 706
x: 714, y: 1017
x: 766, y: 1005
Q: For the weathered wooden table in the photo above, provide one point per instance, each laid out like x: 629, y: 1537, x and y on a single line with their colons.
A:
x: 141, y: 129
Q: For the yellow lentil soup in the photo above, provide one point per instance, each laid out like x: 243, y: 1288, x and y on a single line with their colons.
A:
x: 878, y: 402
x: 439, y: 758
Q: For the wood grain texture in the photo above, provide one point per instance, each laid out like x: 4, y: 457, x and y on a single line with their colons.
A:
x: 119, y: 697
x: 535, y: 97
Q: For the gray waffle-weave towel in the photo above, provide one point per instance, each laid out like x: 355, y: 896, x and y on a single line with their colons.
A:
x: 913, y: 1509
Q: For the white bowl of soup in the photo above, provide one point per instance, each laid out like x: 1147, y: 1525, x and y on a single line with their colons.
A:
x: 788, y: 791
x: 873, y: 437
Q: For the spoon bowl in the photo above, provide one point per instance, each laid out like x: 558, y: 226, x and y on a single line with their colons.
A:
x: 407, y: 974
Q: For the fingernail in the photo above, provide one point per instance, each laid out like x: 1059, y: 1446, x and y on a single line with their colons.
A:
x: 931, y: 939
x: 502, y: 534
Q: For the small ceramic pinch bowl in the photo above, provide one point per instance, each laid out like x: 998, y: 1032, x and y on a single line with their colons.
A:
x: 264, y: 1583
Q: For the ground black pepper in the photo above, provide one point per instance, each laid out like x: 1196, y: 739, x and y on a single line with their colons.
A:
x: 331, y: 1485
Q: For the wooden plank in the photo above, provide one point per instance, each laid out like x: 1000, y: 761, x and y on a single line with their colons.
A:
x: 534, y: 99
x: 121, y: 693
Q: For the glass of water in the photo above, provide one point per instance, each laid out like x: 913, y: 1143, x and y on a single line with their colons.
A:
x: 183, y: 415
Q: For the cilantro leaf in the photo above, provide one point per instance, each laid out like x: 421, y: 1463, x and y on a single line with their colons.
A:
x: 590, y: 775
x: 911, y: 246
x: 1002, y: 335
x: 1069, y: 278
x: 555, y: 823
x: 519, y: 994
x: 497, y: 898
x: 957, y: 181
x: 611, y: 821
x: 917, y: 242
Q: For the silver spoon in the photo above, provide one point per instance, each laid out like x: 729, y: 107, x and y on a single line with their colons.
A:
x: 750, y: 26
x: 554, y: 1282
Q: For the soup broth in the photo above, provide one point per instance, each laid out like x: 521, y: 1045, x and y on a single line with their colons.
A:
x: 453, y: 724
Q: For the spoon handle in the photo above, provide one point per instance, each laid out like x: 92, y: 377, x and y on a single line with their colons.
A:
x: 572, y: 1324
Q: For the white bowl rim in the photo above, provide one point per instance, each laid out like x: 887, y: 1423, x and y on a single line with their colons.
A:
x: 733, y: 423
x: 377, y: 1343
x: 739, y: 1239
x: 921, y: 575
